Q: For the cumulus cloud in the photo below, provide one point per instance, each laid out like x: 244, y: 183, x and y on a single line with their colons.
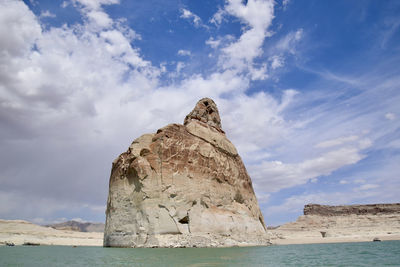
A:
x: 257, y: 16
x: 59, y: 88
x: 21, y: 28
x: 73, y: 97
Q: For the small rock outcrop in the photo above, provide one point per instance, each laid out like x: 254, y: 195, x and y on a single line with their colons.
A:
x: 184, y: 186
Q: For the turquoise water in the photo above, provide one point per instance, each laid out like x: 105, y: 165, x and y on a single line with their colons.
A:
x: 341, y: 254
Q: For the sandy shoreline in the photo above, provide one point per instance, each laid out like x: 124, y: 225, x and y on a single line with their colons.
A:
x: 297, y: 239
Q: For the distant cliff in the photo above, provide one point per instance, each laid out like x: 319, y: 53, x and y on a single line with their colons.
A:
x: 347, y: 223
x: 79, y: 226
x: 369, y: 209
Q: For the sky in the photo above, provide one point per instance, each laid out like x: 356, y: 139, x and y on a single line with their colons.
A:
x: 308, y: 92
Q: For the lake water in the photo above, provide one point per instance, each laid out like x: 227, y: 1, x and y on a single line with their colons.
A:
x: 340, y: 254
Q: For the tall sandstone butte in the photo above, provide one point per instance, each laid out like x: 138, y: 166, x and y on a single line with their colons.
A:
x: 184, y: 186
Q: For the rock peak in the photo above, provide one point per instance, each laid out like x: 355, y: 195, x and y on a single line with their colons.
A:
x: 205, y: 111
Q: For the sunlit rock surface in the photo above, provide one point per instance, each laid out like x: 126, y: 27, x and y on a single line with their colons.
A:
x: 184, y: 186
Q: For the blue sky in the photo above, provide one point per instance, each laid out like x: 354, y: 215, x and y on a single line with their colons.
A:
x: 308, y: 91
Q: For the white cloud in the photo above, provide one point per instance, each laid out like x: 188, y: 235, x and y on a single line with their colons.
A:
x: 213, y: 43
x: 238, y: 54
x: 21, y: 28
x: 47, y: 14
x: 182, y: 52
x: 277, y: 62
x: 364, y: 143
x: 257, y: 15
x: 100, y: 18
x: 64, y: 4
x: 263, y: 198
x: 367, y: 186
x: 392, y: 26
x: 359, y: 181
x: 337, y: 141
x: 95, y: 4
x: 65, y: 87
x: 219, y: 41
x: 187, y: 14
x: 179, y: 66
x: 218, y: 17
x: 288, y: 42
x: 92, y: 10
x: 273, y: 176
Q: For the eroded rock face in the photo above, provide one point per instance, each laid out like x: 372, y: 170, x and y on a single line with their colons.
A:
x: 185, y: 185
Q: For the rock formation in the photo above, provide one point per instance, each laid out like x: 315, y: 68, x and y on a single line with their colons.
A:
x: 321, y: 223
x: 184, y: 186
x: 369, y: 209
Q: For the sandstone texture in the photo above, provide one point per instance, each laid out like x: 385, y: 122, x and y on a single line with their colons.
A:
x: 19, y: 232
x: 348, y: 223
x: 184, y: 186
